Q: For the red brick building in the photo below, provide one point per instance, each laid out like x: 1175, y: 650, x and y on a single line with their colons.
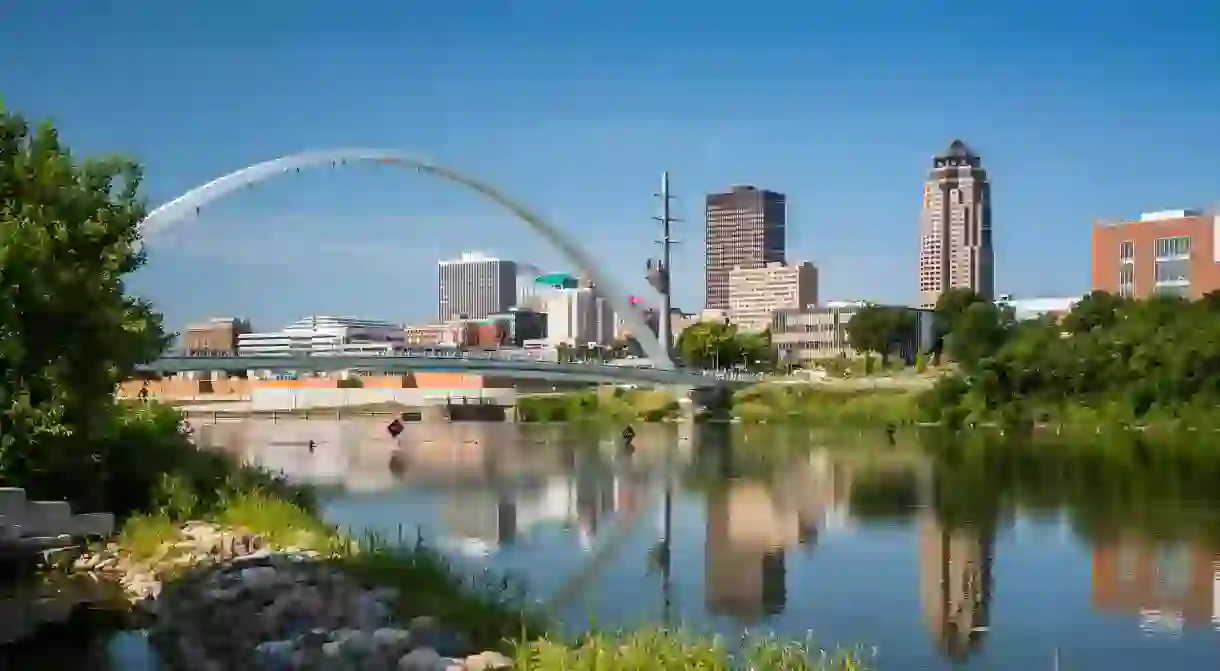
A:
x: 1173, y: 252
x: 1131, y: 575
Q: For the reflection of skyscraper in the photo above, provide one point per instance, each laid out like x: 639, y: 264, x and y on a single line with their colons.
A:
x: 955, y: 585
x: 482, y: 516
x: 745, y: 575
x: 1133, y: 575
x: 594, y: 496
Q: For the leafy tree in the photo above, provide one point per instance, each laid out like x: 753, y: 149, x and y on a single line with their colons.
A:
x: 950, y: 306
x: 1097, y: 309
x: 1110, y: 360
x: 720, y: 345
x: 978, y: 332
x: 68, y: 332
x: 880, y: 329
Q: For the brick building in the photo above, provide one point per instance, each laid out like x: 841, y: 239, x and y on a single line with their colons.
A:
x: 216, y: 337
x: 1171, y: 252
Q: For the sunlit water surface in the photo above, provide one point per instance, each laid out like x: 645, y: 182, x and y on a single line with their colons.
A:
x: 852, y: 541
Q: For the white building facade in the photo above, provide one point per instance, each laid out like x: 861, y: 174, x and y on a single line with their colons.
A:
x: 322, y: 336
x: 578, y: 317
x: 475, y: 286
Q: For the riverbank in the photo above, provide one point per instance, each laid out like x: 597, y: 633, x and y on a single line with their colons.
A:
x: 267, y: 584
x: 766, y: 402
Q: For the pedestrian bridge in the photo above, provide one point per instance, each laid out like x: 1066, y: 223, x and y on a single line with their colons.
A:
x: 407, y: 363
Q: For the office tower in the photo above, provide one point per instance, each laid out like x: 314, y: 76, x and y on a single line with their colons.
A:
x: 955, y: 584
x: 955, y: 227
x: 745, y: 228
x: 1170, y: 252
x: 475, y: 286
x: 756, y: 293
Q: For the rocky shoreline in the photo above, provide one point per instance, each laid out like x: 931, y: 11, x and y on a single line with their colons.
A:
x: 221, y: 598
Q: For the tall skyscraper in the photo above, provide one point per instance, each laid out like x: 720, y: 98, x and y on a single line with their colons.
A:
x: 745, y: 228
x: 955, y: 228
x: 475, y: 286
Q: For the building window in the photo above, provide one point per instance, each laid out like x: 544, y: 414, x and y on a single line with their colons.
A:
x: 1182, y: 290
x: 1126, y: 250
x: 1173, y: 248
x: 1173, y: 271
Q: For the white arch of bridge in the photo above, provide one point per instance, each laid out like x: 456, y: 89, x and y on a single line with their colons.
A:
x: 181, y: 207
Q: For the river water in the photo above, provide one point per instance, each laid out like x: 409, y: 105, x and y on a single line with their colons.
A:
x: 984, y: 563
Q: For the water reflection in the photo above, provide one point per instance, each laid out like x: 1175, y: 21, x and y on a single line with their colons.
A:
x: 854, y: 538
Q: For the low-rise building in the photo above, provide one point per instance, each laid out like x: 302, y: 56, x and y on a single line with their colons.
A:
x: 214, y: 337
x: 803, y: 336
x: 321, y: 336
x: 756, y: 293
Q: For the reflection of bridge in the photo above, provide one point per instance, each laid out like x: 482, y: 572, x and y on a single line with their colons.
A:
x: 516, y: 368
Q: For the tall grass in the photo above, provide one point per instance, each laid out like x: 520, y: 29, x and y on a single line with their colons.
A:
x: 808, y: 404
x: 666, y: 650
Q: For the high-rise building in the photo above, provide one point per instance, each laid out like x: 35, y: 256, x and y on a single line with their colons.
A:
x: 955, y: 227
x: 1170, y: 252
x: 745, y: 228
x: 756, y: 293
x: 475, y: 286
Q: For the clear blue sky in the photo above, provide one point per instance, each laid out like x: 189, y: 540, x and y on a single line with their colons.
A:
x: 1079, y: 110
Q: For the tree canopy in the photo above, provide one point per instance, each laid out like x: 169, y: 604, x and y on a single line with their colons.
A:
x: 721, y: 345
x: 68, y: 331
x: 880, y: 329
x: 1120, y: 359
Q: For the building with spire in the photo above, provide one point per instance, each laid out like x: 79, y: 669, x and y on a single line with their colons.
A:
x: 955, y: 248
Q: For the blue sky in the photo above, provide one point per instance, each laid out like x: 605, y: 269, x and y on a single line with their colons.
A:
x: 1080, y: 111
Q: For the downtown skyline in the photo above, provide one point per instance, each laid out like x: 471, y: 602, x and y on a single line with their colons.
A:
x: 579, y: 138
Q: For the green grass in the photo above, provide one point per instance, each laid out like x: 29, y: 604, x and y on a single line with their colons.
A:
x: 664, y: 650
x: 143, y: 535
x: 820, y: 405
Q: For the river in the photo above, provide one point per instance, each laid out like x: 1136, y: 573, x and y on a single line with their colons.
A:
x: 981, y: 562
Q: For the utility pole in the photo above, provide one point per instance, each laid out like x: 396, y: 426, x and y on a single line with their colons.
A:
x: 659, y: 271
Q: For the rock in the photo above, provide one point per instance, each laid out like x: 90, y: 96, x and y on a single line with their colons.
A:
x: 427, y: 632
x: 423, y: 659
x: 486, y: 661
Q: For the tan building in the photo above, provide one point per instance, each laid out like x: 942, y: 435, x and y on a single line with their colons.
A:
x: 955, y: 228
x: 746, y: 228
x: 955, y: 585
x: 430, y: 335
x: 756, y: 293
x: 216, y: 336
x: 803, y: 337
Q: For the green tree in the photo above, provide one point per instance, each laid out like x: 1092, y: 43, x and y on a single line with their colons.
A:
x: 978, y: 332
x: 950, y: 306
x: 713, y: 345
x: 68, y: 332
x: 880, y: 329
x: 1096, y: 309
x: 870, y: 332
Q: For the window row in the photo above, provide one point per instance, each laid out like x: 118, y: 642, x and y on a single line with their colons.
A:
x: 1168, y: 248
